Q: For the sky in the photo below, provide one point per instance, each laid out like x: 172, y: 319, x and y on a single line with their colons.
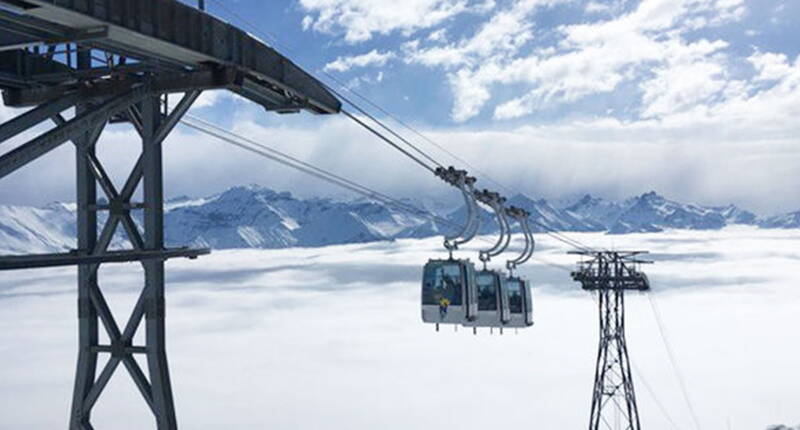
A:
x: 697, y: 99
x: 328, y: 338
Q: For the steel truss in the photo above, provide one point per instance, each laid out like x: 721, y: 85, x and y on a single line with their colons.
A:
x: 116, y: 61
x: 610, y: 274
x: 142, y: 102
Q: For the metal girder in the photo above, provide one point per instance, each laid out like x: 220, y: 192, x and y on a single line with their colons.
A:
x: 50, y: 140
x: 9, y: 42
x: 175, y: 116
x: 155, y: 386
x: 165, y: 83
x: 35, y: 116
x: 16, y: 262
x: 155, y: 327
x: 175, y: 34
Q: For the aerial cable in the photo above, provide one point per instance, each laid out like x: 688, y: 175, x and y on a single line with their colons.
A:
x: 557, y: 235
x: 281, y: 154
x: 290, y: 161
x: 287, y: 160
x: 673, y: 361
x: 389, y: 141
x: 384, y: 126
x: 652, y: 393
x: 318, y: 173
x: 415, y: 131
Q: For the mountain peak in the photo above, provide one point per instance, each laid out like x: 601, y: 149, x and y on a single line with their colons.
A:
x: 651, y: 195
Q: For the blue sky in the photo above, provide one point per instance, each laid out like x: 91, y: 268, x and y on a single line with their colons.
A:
x: 697, y: 99
x: 429, y: 60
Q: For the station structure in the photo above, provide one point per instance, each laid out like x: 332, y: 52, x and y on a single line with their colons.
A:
x: 75, y: 66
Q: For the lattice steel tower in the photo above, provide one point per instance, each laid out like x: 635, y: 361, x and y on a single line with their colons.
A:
x: 610, y: 274
x: 83, y: 65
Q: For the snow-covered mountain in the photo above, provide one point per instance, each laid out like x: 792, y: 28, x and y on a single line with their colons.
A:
x: 789, y: 220
x: 651, y: 212
x: 241, y: 217
x: 257, y: 217
x: 39, y: 230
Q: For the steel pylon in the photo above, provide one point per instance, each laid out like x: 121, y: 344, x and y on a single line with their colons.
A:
x: 613, y: 383
x: 609, y: 275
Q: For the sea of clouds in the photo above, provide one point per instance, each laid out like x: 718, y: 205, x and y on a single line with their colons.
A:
x: 331, y: 338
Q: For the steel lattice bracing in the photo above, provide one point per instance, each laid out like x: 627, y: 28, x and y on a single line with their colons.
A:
x: 610, y: 274
x: 153, y: 125
x: 81, y: 65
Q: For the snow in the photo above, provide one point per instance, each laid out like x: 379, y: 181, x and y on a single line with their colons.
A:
x: 254, y: 216
x: 331, y: 338
x: 187, y: 202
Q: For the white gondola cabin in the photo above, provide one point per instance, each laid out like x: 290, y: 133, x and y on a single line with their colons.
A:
x: 449, y: 294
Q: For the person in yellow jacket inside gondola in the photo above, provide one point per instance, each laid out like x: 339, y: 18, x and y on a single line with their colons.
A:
x: 444, y: 303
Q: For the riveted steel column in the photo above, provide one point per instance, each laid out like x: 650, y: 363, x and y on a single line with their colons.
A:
x: 163, y: 404
x: 87, y: 278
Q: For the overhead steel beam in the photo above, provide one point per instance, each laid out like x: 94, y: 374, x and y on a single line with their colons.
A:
x: 9, y: 42
x: 175, y: 116
x: 17, y: 262
x: 178, y: 34
x: 50, y: 140
x: 164, y: 83
x: 35, y: 116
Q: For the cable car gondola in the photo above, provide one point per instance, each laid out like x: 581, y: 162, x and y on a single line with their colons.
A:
x: 449, y: 293
x: 520, y: 302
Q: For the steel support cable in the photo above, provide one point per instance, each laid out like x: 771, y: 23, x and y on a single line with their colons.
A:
x: 652, y: 393
x: 308, y: 168
x: 414, y: 130
x: 389, y: 141
x: 555, y: 234
x: 331, y: 178
x: 574, y: 243
x: 361, y: 110
x: 275, y: 155
x: 349, y: 185
x: 384, y: 126
x: 673, y: 361
x: 298, y: 161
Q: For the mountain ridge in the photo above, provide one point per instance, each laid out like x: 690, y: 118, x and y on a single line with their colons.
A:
x: 254, y: 216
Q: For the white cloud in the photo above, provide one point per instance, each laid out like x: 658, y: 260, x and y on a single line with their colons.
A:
x: 359, y: 20
x: 317, y: 336
x: 690, y: 76
x: 729, y: 152
x: 210, y: 98
x: 589, y: 59
x: 372, y: 58
x: 772, y: 66
x: 439, y: 35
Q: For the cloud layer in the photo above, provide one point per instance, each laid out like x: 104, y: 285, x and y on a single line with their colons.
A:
x: 311, y: 338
